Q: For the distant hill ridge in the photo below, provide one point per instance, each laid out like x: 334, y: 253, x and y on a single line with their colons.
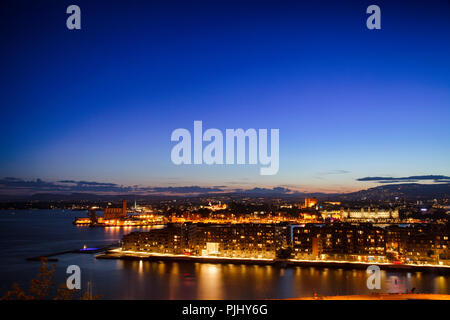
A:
x: 407, y: 191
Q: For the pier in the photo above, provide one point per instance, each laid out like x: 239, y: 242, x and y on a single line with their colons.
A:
x: 50, y: 256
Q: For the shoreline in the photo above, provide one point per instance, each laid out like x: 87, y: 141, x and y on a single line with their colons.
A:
x: 133, y: 256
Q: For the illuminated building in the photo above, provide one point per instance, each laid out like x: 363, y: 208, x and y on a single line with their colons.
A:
x: 116, y: 213
x: 419, y: 243
x: 333, y: 203
x: 302, y: 243
x: 83, y: 221
x: 237, y: 240
x: 172, y: 239
x: 215, y: 207
x: 339, y: 242
x: 241, y: 240
x: 364, y: 242
x: 362, y: 214
x: 310, y: 202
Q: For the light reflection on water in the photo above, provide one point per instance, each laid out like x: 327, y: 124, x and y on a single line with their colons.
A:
x: 180, y: 280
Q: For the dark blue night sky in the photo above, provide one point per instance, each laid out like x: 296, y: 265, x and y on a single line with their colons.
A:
x: 100, y: 103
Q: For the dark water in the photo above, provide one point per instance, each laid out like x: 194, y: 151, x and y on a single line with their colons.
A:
x: 31, y: 233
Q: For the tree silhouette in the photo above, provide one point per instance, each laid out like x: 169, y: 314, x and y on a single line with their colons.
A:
x: 42, y: 287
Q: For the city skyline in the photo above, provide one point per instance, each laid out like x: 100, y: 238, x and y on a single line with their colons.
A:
x: 349, y: 102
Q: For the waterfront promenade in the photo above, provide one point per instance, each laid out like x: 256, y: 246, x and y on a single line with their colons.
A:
x: 148, y: 256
